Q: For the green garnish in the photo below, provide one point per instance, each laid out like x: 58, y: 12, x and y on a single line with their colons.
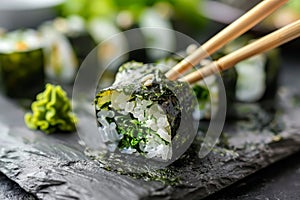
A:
x: 51, y: 111
x: 133, y: 134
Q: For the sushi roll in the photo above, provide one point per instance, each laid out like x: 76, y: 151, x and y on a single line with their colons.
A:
x: 67, y: 45
x: 61, y: 62
x: 145, y: 114
x: 22, y: 63
x: 256, y: 77
x: 74, y: 28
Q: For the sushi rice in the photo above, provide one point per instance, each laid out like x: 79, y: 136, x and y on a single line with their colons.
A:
x: 18, y: 41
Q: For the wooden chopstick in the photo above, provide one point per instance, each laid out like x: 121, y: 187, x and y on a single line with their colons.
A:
x: 232, y: 31
x: 261, y: 45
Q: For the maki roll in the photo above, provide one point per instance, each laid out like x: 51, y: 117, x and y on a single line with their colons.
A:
x: 143, y: 113
x: 74, y: 29
x: 256, y: 77
x: 61, y: 60
x: 22, y: 63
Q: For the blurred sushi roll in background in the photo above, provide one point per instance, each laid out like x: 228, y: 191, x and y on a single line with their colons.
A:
x: 74, y: 28
x: 141, y: 114
x: 22, y: 63
x: 67, y: 45
x: 256, y: 77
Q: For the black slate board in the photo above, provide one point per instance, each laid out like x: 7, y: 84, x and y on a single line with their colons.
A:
x: 280, y: 180
x: 55, y: 167
x: 9, y: 190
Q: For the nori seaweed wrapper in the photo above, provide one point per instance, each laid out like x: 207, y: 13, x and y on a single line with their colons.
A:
x: 82, y: 44
x: 22, y: 73
x: 272, y: 70
x: 176, y: 99
x: 229, y: 78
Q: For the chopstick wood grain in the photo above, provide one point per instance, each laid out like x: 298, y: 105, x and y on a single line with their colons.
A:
x: 261, y: 45
x: 232, y: 31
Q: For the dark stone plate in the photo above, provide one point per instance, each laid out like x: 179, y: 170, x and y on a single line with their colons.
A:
x: 55, y: 167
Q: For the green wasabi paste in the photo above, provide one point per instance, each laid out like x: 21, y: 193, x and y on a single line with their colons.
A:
x: 51, y: 111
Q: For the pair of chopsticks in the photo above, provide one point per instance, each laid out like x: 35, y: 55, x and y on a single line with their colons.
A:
x: 234, y: 30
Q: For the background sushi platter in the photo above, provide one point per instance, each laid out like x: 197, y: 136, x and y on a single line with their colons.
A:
x: 54, y: 167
